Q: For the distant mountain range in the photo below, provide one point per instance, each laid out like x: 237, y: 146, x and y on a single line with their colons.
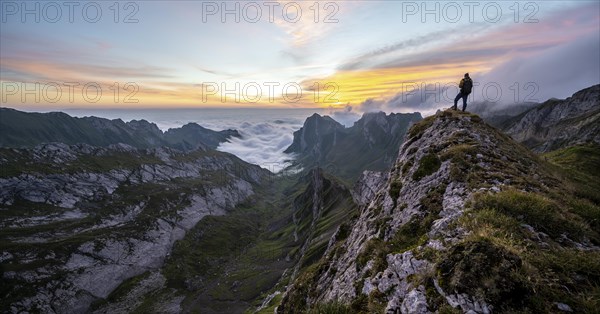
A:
x: 24, y: 129
x: 370, y: 144
x: 497, y: 115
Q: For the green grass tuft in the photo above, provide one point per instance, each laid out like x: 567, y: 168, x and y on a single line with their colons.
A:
x: 428, y: 165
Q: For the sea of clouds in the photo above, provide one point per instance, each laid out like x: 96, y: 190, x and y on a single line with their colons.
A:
x: 265, y: 133
x: 263, y: 143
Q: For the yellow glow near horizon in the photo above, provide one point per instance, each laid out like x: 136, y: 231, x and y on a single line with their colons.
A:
x: 338, y: 90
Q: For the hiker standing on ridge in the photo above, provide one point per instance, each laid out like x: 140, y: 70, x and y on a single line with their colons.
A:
x: 466, y: 85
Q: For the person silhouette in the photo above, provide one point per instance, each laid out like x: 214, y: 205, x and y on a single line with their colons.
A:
x: 466, y: 86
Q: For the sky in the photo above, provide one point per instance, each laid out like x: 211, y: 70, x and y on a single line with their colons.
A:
x: 355, y: 56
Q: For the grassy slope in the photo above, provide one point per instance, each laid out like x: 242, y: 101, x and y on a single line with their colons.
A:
x: 579, y: 166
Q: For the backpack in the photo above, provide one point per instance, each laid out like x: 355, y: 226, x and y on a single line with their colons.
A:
x: 467, y: 86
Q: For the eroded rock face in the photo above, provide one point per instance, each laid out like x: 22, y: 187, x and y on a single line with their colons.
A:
x: 367, y: 186
x: 410, y: 213
x: 77, y: 230
x: 560, y: 123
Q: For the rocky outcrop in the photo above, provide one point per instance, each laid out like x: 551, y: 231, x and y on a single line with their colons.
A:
x: 559, y: 123
x: 370, y: 144
x: 79, y: 220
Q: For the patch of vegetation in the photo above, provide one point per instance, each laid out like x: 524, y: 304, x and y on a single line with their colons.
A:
x: 417, y: 129
x: 582, y: 158
x: 121, y: 292
x: 115, y: 160
x: 360, y: 304
x: 375, y: 302
x: 461, y: 156
x: 428, y: 164
x: 485, y: 271
x: 578, y: 166
x: 344, y: 231
x: 540, y: 212
x: 295, y: 300
x: 408, y: 236
x: 214, y: 238
x: 375, y: 249
x: 395, y: 188
x: 436, y: 303
x: 20, y: 162
x: 414, y: 232
x: 555, y: 270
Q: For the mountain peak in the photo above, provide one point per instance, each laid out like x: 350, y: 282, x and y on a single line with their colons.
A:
x: 312, y: 132
x: 373, y: 141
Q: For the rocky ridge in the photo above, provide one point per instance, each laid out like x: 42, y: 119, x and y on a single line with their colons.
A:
x: 419, y: 246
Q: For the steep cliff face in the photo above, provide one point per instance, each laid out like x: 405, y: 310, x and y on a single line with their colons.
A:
x: 466, y: 220
x: 323, y: 206
x: 370, y: 144
x: 79, y: 220
x: 559, y: 123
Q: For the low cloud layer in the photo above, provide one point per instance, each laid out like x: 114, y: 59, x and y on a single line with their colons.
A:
x: 265, y: 133
x: 263, y: 143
